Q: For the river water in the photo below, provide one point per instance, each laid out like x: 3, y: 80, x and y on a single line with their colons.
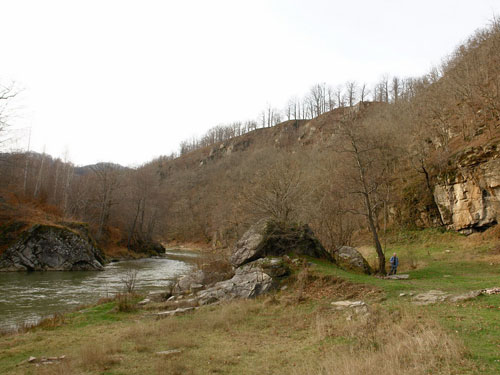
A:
x: 28, y: 297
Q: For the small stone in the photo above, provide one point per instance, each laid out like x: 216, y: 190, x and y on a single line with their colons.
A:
x: 169, y: 352
x: 447, y: 251
x: 178, y: 311
x: 32, y: 359
x: 284, y: 287
x: 402, y: 276
x: 402, y: 294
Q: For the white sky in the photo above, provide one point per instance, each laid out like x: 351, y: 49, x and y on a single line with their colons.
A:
x: 125, y: 81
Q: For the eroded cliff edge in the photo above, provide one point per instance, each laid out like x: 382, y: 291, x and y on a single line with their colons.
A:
x: 468, y: 196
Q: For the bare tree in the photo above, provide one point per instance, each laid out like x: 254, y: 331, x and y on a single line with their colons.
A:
x: 363, y: 171
x: 7, y: 93
x: 107, y: 183
x: 277, y: 193
x: 363, y: 93
x: 351, y: 92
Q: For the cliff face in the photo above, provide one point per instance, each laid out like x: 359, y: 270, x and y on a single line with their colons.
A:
x: 52, y: 248
x: 469, y: 200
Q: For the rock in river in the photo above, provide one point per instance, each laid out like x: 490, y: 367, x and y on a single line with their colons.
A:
x: 52, y: 248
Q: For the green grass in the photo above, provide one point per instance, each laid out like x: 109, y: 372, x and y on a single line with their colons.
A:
x: 467, y: 266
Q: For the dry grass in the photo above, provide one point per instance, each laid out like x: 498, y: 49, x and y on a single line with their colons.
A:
x: 401, y: 343
x: 96, y: 356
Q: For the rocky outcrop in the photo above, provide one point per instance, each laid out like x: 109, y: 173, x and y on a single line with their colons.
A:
x: 189, y: 282
x: 469, y: 199
x: 260, y: 263
x: 52, y: 248
x: 267, y: 238
x: 350, y: 259
x: 248, y: 282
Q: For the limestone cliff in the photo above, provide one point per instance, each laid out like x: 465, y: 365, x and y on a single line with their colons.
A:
x: 52, y: 248
x: 469, y: 197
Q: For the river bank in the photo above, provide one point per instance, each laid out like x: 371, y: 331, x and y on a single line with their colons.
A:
x: 27, y: 297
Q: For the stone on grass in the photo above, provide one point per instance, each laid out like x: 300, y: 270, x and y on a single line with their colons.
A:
x: 169, y: 352
x: 431, y: 296
x: 465, y: 296
x: 402, y: 276
x: 351, y: 259
x: 179, y: 311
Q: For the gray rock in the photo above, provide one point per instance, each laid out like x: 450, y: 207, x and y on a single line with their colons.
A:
x: 401, y: 276
x: 249, y: 244
x: 169, y: 352
x: 274, y: 267
x: 268, y: 238
x: 435, y: 296
x: 432, y: 296
x: 491, y: 291
x: 357, y: 307
x: 349, y: 258
x: 246, y: 283
x: 179, y: 311
x: 466, y: 296
x: 185, y: 282
x: 52, y: 248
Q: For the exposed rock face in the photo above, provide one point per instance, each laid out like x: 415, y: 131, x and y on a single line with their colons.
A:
x: 267, y: 238
x: 52, y: 248
x: 349, y: 258
x: 248, y: 282
x: 247, y: 246
x: 470, y: 200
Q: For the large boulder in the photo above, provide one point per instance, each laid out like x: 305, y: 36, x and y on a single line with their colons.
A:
x: 247, y: 282
x: 268, y: 238
x: 52, y: 248
x: 350, y: 259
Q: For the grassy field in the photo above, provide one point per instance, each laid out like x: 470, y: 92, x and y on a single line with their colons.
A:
x: 296, y: 331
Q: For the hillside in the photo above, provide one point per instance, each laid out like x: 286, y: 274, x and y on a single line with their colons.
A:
x: 422, y: 153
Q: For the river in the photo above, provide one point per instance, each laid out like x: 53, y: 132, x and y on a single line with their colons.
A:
x: 28, y: 297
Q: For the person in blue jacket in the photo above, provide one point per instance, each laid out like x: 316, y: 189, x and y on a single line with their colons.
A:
x: 394, y: 264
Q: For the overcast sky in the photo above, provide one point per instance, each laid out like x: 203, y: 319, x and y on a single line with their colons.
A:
x: 126, y: 81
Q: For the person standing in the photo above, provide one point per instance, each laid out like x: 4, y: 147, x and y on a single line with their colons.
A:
x: 394, y: 264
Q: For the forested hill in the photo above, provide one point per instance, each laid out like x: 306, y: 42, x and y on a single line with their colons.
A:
x: 416, y: 152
